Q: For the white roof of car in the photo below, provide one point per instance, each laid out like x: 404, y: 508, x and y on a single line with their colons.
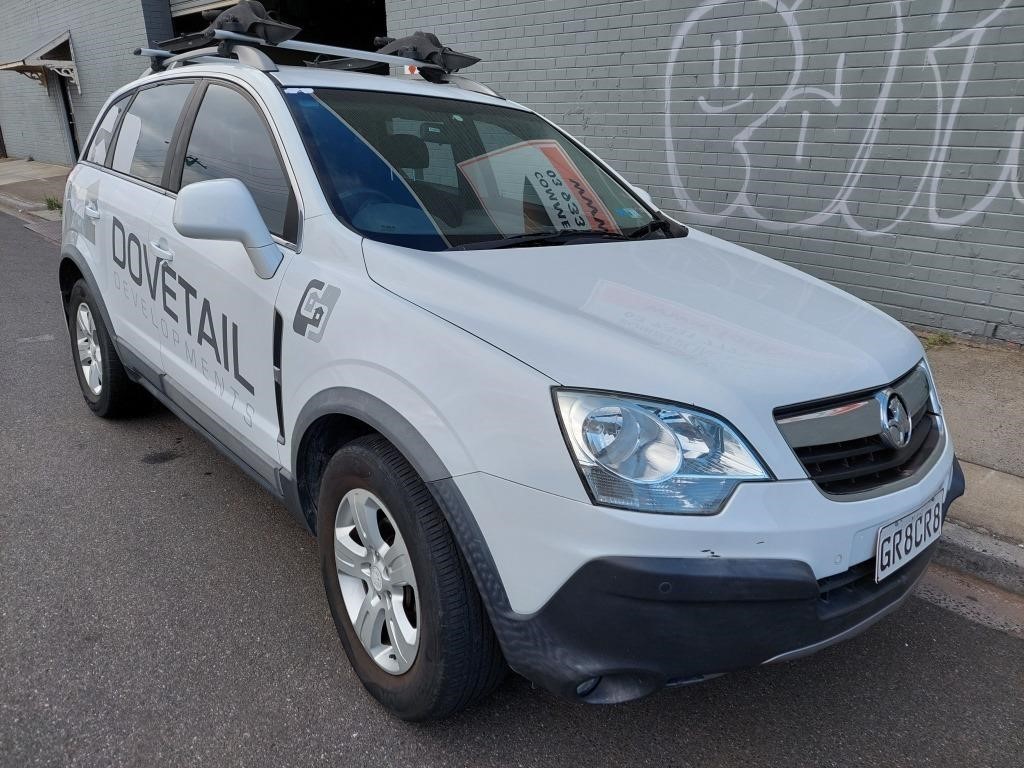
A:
x: 314, y: 77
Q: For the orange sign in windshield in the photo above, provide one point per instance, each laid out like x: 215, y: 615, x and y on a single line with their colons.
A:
x: 534, y: 173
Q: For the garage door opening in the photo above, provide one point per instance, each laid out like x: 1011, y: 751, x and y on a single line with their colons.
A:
x: 349, y: 23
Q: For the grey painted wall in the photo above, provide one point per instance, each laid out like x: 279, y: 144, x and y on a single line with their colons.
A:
x: 103, y: 33
x: 877, y: 145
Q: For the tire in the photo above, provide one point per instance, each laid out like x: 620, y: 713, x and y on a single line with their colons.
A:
x: 107, y: 390
x: 457, y: 660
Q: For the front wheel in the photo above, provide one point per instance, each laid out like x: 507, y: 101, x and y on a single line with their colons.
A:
x: 404, y: 603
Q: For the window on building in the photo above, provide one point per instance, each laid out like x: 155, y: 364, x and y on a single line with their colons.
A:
x: 363, y: 21
x: 146, y: 131
x: 231, y: 140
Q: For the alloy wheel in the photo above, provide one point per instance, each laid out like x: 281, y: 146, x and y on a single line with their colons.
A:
x: 90, y: 357
x: 377, y: 581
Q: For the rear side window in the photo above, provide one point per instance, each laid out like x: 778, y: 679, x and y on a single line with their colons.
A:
x: 230, y: 140
x: 146, y: 131
x: 105, y: 132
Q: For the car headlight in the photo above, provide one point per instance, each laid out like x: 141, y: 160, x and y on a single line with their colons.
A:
x: 654, y: 457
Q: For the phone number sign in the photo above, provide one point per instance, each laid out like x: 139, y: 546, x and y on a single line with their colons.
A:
x: 563, y: 192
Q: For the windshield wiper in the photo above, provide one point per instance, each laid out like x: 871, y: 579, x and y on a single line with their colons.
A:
x: 541, y: 238
x: 654, y: 225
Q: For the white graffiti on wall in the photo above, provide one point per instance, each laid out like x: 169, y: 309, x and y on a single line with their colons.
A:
x: 725, y: 100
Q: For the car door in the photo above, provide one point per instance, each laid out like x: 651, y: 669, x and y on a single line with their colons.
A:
x: 87, y: 183
x: 120, y: 201
x: 219, y: 356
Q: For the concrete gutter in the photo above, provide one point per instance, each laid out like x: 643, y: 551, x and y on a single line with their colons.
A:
x: 984, y: 533
x: 993, y: 502
x: 982, y: 390
x: 985, y: 557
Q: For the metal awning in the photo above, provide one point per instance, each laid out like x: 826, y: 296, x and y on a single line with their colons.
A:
x: 56, y: 56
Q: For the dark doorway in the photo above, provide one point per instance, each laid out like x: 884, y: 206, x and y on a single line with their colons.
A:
x: 69, y: 112
x: 347, y: 23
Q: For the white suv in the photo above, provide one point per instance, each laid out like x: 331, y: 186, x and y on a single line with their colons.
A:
x: 531, y: 420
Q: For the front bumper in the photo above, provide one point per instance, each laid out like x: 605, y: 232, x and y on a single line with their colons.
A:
x: 627, y: 627
x: 622, y: 627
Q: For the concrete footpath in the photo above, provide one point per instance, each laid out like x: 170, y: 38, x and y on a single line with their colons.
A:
x: 34, y: 192
x: 982, y: 388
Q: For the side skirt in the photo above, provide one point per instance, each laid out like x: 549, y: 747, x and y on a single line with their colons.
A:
x: 272, y: 478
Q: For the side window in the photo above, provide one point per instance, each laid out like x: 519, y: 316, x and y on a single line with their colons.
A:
x: 104, y: 133
x: 147, y: 129
x: 230, y: 140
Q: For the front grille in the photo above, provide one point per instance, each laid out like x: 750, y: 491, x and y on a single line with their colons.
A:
x: 861, y: 462
x: 865, y: 463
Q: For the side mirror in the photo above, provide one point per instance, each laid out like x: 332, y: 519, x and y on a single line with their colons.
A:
x: 223, y: 209
x: 644, y: 195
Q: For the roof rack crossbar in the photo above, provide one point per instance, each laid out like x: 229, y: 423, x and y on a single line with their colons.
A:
x: 248, y: 23
x: 326, y: 50
x: 242, y: 32
x: 246, y: 54
x: 153, y: 53
x: 181, y: 58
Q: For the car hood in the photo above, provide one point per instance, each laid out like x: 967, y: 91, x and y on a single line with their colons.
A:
x: 695, y: 320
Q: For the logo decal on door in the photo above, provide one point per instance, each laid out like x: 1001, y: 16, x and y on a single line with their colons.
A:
x: 315, y: 309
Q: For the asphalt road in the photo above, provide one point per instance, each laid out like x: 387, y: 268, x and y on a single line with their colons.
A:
x: 158, y: 608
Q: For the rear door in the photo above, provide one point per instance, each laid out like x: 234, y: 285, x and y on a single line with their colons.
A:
x: 87, y: 182
x: 219, y: 358
x: 121, y: 205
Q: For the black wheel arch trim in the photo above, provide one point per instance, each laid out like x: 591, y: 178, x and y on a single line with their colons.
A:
x: 355, y: 403
x: 72, y: 254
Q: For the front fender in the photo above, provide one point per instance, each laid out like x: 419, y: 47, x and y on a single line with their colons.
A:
x: 348, y: 401
x: 380, y: 416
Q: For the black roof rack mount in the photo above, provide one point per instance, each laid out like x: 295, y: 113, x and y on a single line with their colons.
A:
x: 426, y: 49
x: 248, y: 24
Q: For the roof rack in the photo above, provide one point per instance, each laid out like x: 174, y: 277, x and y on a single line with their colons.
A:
x: 252, y: 57
x: 235, y: 32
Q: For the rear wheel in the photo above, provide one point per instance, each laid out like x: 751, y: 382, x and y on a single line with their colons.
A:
x: 403, y: 601
x: 105, y: 386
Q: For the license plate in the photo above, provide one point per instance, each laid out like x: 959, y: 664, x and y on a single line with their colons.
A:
x: 902, y: 540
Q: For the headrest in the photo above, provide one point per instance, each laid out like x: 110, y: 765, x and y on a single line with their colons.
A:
x: 403, y: 150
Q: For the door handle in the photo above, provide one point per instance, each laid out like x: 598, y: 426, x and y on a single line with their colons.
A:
x: 162, y: 252
x: 92, y: 211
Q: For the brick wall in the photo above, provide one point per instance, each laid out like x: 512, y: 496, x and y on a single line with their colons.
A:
x: 103, y: 33
x: 877, y: 145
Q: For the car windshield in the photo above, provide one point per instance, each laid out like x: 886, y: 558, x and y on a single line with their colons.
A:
x: 434, y: 173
